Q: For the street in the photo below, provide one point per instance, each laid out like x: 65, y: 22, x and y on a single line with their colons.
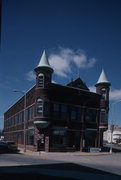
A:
x: 19, y: 166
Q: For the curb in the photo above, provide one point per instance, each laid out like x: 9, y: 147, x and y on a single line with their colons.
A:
x: 45, y: 154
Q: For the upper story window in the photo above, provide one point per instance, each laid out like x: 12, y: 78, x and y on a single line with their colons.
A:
x: 46, y: 109
x: 39, y: 107
x: 80, y: 113
x: 74, y: 114
x: 64, y: 110
x: 56, y: 111
x: 104, y: 93
x: 56, y: 107
x: 103, y: 116
x: 90, y: 115
x: 47, y: 79
x: 41, y: 80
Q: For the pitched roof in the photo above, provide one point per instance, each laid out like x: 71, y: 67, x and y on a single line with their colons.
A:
x: 78, y: 83
x: 102, y: 78
x: 44, y: 62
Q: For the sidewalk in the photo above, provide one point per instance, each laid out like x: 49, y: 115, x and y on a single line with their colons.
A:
x: 78, y: 153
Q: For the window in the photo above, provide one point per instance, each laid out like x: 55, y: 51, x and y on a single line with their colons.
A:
x: 47, y: 79
x: 31, y: 136
x: 104, y: 93
x: 31, y: 111
x: 56, y: 107
x: 39, y: 109
x: 80, y: 112
x: 40, y: 80
x: 21, y: 117
x: 63, y: 112
x: 46, y: 109
x: 31, y: 140
x: 64, y: 108
x: 27, y: 114
x: 59, y: 137
x: 16, y: 119
x: 56, y: 111
x: 74, y: 114
x: 90, y: 115
x: 103, y: 116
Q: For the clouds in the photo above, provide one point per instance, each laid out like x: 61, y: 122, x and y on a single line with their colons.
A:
x: 65, y: 59
x: 114, y: 95
x: 30, y: 76
x: 92, y: 88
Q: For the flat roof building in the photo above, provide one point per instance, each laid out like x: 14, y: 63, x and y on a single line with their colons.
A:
x: 52, y: 117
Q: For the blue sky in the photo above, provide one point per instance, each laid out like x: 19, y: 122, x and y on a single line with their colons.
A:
x: 79, y: 36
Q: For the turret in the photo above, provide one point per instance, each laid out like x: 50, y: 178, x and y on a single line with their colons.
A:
x: 103, y: 88
x: 43, y: 72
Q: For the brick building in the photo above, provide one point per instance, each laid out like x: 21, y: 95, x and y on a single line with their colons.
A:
x: 52, y: 117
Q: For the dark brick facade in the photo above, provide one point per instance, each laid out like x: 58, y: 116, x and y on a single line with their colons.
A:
x: 58, y: 118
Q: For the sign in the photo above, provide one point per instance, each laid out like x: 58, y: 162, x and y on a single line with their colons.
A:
x: 95, y: 150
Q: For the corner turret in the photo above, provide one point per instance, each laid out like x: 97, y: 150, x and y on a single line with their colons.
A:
x: 43, y: 72
x: 103, y: 88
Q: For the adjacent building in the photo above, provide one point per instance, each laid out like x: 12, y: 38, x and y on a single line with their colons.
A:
x: 53, y: 117
x: 113, y: 134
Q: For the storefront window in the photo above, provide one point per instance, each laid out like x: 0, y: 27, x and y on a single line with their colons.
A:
x: 59, y: 137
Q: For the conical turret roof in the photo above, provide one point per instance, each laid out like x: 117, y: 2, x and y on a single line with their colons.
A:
x: 102, y: 78
x: 44, y: 63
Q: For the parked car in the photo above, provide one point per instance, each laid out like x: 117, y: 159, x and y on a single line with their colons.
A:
x: 12, y: 146
x: 8, y: 146
x: 3, y: 147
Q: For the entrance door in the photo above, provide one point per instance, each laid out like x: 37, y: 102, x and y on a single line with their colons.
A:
x: 77, y: 140
x: 41, y: 145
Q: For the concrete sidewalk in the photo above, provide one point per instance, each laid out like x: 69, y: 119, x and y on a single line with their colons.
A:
x: 78, y: 153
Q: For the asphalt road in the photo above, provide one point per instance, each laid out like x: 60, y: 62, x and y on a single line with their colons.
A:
x: 18, y: 166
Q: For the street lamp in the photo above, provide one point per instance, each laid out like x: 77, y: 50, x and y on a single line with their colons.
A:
x: 113, y: 105
x: 24, y: 94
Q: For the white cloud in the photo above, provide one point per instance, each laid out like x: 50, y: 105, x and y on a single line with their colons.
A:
x: 30, y: 76
x: 92, y: 89
x: 64, y: 60
x: 115, y: 94
x: 1, y: 116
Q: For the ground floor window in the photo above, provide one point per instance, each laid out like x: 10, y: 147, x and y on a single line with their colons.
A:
x: 90, y: 138
x: 59, y: 138
x: 31, y: 140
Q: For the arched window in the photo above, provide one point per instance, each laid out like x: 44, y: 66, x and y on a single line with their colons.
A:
x: 40, y: 80
x: 39, y: 107
x: 104, y: 93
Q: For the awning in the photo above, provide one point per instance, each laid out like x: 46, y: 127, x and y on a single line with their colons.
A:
x: 41, y: 124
